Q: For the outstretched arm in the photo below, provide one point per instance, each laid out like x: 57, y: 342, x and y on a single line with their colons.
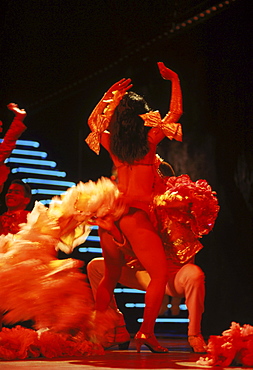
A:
x: 17, y: 127
x: 176, y: 105
x: 102, y: 113
x: 6, y: 147
x: 169, y: 125
x: 110, y: 100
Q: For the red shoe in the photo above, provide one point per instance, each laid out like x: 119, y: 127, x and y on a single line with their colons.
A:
x: 118, y: 336
x: 150, y: 341
x: 197, y: 343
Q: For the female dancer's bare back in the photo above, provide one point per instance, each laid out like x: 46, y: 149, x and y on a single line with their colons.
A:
x: 135, y: 181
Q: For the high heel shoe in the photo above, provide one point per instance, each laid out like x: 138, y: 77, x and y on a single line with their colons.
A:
x: 197, y: 343
x: 150, y: 341
x: 117, y: 336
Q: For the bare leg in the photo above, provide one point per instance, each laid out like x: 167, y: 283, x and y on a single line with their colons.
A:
x: 114, y: 261
x: 148, y: 248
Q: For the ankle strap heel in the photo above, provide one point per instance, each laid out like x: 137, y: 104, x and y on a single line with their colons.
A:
x: 150, y: 341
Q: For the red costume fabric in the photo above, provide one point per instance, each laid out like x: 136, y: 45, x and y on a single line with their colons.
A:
x: 136, y: 181
x: 233, y: 348
x: 185, y: 212
x: 6, y: 147
x: 10, y: 221
x: 53, y: 293
x: 172, y: 205
x: 137, y: 194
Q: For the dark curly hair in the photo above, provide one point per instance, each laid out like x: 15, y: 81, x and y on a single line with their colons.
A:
x: 128, y: 134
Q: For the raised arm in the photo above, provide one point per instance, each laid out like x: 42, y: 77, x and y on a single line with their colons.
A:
x: 176, y: 105
x: 102, y: 113
x: 16, y: 128
x: 168, y: 126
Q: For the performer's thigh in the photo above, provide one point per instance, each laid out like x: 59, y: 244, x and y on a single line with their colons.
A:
x: 145, y: 242
x: 111, y: 253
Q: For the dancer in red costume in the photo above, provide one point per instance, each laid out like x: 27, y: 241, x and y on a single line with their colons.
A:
x: 132, y: 148
x: 180, y: 228
x: 6, y: 147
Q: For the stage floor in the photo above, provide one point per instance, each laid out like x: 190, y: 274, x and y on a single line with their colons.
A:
x: 179, y: 357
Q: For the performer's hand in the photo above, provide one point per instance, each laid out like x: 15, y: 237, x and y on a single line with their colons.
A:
x: 106, y: 222
x: 165, y: 72
x: 20, y: 113
x: 122, y: 86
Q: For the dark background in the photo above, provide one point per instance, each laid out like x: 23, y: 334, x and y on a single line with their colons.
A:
x: 59, y: 57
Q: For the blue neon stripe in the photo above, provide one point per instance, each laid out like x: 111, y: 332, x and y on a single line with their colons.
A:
x: 30, y: 152
x: 31, y: 161
x: 160, y: 319
x: 90, y: 249
x: 128, y: 290
x: 47, y: 191
x: 164, y: 320
x: 133, y: 305
x: 183, y: 307
x: 93, y: 238
x: 142, y: 305
x: 34, y: 144
x: 41, y: 172
x: 68, y: 184
x: 46, y: 201
x: 95, y: 227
